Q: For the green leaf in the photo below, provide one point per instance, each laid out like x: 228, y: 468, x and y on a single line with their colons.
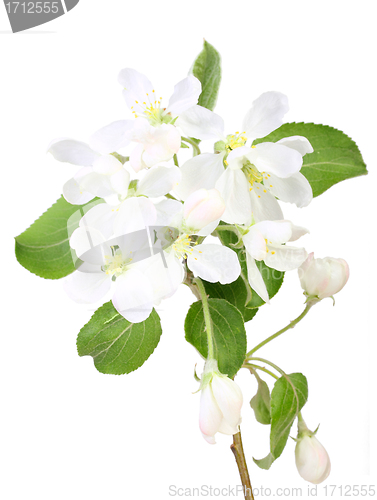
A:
x: 336, y: 157
x: 236, y: 293
x: 43, y: 248
x: 229, y: 334
x: 207, y: 69
x: 261, y: 402
x: 116, y: 345
x: 272, y: 278
x: 288, y: 396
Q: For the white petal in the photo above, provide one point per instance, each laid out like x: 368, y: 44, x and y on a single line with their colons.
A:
x: 234, y: 189
x: 120, y: 181
x: 167, y: 210
x: 276, y: 159
x: 159, y: 181
x: 135, y: 214
x: 294, y: 189
x: 72, y: 191
x: 87, y: 288
x: 275, y: 231
x: 107, y: 165
x: 201, y: 123
x: 297, y: 142
x: 97, y: 184
x: 165, y: 273
x: 186, y: 94
x: 71, y: 151
x: 202, y: 171
x: 284, y: 257
x: 137, y: 89
x: 114, y: 136
x: 214, y: 263
x: 101, y: 218
x: 263, y: 204
x: 161, y: 144
x: 297, y: 232
x: 255, y: 243
x: 255, y: 279
x: 210, y: 416
x: 133, y: 296
x: 265, y: 115
x: 136, y: 158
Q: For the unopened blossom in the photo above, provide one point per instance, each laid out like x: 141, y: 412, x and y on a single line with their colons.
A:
x: 101, y: 175
x: 248, y: 178
x: 323, y: 277
x: 220, y: 403
x: 312, y: 460
x: 267, y: 241
x: 157, y: 138
x: 198, y: 216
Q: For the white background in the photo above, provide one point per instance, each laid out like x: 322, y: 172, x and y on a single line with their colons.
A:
x: 71, y: 432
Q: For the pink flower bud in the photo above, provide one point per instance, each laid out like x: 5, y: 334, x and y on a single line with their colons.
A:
x: 203, y: 207
x: 220, y: 403
x: 312, y: 461
x: 323, y: 277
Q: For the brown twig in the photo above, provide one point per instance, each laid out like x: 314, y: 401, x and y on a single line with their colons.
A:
x: 239, y: 455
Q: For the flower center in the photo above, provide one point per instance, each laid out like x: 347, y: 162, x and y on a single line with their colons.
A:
x: 116, y: 264
x: 251, y: 172
x: 151, y: 109
x: 183, y: 246
x: 235, y: 141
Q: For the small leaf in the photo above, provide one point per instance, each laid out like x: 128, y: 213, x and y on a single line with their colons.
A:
x: 43, y: 248
x: 116, y: 345
x: 261, y: 402
x: 288, y: 397
x: 229, y: 334
x: 336, y: 157
x: 207, y: 69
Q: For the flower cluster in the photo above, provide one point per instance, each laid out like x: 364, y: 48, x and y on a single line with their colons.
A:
x: 149, y: 226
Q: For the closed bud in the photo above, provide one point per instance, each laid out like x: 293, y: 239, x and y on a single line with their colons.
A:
x: 202, y: 208
x: 323, y: 277
x: 312, y: 460
x: 220, y: 403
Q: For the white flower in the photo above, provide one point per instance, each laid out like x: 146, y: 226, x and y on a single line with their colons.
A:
x: 220, y: 403
x: 255, y: 175
x: 199, y: 216
x: 266, y: 241
x: 153, y: 130
x: 101, y: 175
x: 312, y: 460
x: 323, y: 277
x: 110, y: 264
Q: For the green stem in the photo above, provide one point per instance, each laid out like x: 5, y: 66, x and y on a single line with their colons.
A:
x: 207, y: 317
x: 171, y: 197
x: 262, y: 360
x: 175, y: 158
x: 195, y: 147
x: 262, y: 368
x: 292, y: 324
